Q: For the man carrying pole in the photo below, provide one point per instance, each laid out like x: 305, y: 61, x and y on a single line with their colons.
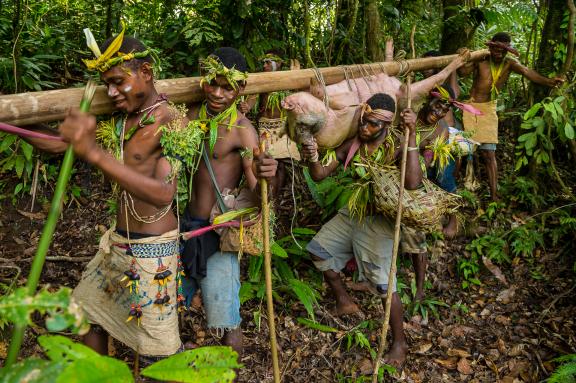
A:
x: 368, y: 240
x: 231, y: 153
x: 129, y: 289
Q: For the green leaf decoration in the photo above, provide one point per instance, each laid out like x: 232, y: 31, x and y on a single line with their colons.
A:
x: 303, y: 231
x: 234, y: 214
x: 315, y: 325
x: 128, y: 135
x: 32, y: 371
x: 213, y: 135
x: 148, y: 119
x: 214, y: 364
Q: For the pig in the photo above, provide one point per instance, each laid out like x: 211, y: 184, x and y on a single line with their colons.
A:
x: 332, y: 124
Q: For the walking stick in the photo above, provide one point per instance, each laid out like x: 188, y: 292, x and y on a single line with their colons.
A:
x: 48, y: 230
x: 268, y: 268
x: 392, y: 274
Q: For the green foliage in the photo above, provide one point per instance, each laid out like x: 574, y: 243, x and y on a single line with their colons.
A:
x: 491, y: 246
x: 468, y: 268
x: 422, y: 307
x: 543, y: 122
x: 287, y: 252
x: 61, y: 312
x: 202, y: 365
x: 315, y: 325
x: 332, y: 193
x: 566, y: 371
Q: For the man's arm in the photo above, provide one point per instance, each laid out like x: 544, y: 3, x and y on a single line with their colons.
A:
x: 421, y: 88
x: 80, y: 129
x: 259, y: 165
x: 49, y: 146
x: 310, y: 154
x: 413, y: 177
x: 534, y: 76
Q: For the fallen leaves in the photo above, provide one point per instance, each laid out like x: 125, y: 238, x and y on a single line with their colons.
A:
x: 505, y: 296
x: 495, y: 270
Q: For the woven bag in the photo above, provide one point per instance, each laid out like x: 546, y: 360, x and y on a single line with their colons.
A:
x: 248, y: 237
x: 421, y: 208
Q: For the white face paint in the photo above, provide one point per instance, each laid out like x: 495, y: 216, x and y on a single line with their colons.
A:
x: 128, y: 89
x: 274, y: 66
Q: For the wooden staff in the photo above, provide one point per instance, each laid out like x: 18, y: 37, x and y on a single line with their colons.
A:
x: 392, y: 274
x: 38, y: 107
x: 268, y: 267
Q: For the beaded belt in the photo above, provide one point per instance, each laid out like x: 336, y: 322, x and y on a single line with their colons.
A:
x: 152, y: 250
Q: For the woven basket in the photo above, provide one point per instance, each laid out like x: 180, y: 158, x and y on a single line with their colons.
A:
x: 421, y: 208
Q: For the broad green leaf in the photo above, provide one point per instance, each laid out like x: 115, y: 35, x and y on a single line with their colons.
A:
x: 315, y: 325
x: 278, y: 251
x: 532, y: 111
x: 27, y: 150
x: 32, y: 370
x: 569, y: 131
x: 20, y: 162
x: 99, y: 369
x: 59, y: 348
x: 303, y: 231
x: 7, y: 140
x: 202, y: 365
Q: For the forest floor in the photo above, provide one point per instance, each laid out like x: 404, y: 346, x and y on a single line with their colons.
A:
x: 505, y: 330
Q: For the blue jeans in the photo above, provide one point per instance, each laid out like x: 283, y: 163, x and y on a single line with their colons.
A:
x: 220, y: 290
x: 445, y: 179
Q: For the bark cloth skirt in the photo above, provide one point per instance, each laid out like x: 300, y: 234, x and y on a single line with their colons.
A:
x: 107, y: 301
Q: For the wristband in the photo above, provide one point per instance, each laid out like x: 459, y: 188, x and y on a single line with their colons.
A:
x: 315, y: 158
x: 413, y: 148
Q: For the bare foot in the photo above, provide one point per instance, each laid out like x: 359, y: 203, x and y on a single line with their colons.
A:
x: 419, y: 297
x: 397, y: 355
x: 451, y: 228
x: 345, y: 307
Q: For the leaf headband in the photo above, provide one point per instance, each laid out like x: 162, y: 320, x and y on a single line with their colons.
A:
x: 105, y: 61
x: 443, y: 94
x: 272, y: 57
x: 212, y: 67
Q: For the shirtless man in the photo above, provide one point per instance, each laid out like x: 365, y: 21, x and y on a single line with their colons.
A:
x: 145, y: 222
x: 490, y: 75
x: 215, y: 272
x: 370, y: 241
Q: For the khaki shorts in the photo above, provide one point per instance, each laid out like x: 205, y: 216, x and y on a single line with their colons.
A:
x: 370, y: 242
x: 413, y: 241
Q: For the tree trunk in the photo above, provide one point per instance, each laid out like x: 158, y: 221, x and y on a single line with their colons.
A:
x: 373, y: 31
x: 550, y: 33
x: 459, y: 25
x: 307, y: 37
x: 346, y: 19
x: 109, y: 13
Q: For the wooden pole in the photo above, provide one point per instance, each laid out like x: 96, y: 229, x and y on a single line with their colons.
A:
x: 392, y: 275
x: 268, y: 270
x: 46, y: 106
